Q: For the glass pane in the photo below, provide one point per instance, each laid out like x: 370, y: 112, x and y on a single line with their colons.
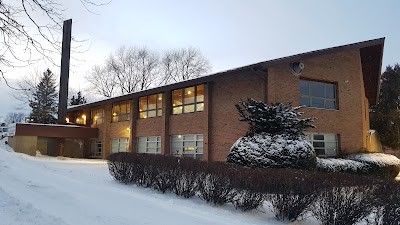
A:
x: 142, y: 104
x: 189, y: 144
x: 200, y: 107
x: 199, y: 143
x: 318, y: 137
x: 199, y: 137
x: 152, y: 113
x: 151, y: 150
x: 330, y: 91
x: 331, y: 145
x: 304, y: 89
x: 199, y: 156
x: 159, y: 112
x: 151, y: 138
x: 152, y: 102
x: 330, y: 104
x: 317, y: 102
x: 305, y: 101
x: 116, y: 109
x: 177, y: 97
x: 189, y: 95
x: 188, y: 108
x: 152, y: 144
x: 320, y: 152
x: 128, y: 106
x: 318, y: 144
x: 200, y: 93
x: 330, y: 137
x: 159, y: 101
x: 317, y: 89
x: 199, y: 150
x: 115, y: 119
x: 177, y: 110
x: 123, y: 108
x: 143, y: 115
x: 188, y: 137
x: 177, y: 138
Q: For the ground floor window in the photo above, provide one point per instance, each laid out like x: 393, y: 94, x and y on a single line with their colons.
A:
x: 187, y: 145
x: 325, y: 145
x: 96, y: 148
x: 119, y: 145
x: 151, y: 145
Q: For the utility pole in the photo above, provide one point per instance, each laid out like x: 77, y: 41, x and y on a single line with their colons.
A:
x: 64, y: 74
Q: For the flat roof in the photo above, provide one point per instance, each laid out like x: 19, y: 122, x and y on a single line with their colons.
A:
x: 371, y: 53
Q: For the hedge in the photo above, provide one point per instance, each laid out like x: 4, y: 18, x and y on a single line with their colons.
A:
x: 331, y: 198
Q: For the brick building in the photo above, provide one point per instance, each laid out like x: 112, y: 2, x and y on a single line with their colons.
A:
x: 198, y: 118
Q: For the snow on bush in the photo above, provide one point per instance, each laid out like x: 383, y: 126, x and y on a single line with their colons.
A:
x: 272, y: 151
x: 378, y: 159
x: 275, y: 138
x: 340, y: 165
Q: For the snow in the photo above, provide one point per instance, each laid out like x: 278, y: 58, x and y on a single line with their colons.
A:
x: 47, y: 191
x: 339, y: 165
x: 379, y: 159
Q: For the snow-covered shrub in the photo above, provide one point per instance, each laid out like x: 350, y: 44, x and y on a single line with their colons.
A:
x: 273, y: 151
x: 121, y: 167
x: 339, y: 165
x: 275, y: 137
x: 379, y: 164
x: 344, y: 205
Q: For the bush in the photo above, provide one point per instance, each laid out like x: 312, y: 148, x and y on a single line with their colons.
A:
x: 337, y: 165
x: 290, y: 206
x: 379, y: 164
x: 277, y: 151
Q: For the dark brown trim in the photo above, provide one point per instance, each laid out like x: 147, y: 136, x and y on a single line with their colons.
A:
x: 257, y: 66
x: 57, y: 131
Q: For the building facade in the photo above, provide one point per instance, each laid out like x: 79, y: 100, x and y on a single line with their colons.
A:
x: 197, y: 118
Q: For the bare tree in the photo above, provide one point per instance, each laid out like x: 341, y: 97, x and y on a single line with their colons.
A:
x: 30, y: 30
x: 102, y: 81
x: 183, y: 64
x: 26, y: 86
x: 14, y: 117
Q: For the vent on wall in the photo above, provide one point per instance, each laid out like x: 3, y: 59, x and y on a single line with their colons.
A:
x: 296, y: 68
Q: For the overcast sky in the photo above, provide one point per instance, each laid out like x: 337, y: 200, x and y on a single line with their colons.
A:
x: 230, y: 33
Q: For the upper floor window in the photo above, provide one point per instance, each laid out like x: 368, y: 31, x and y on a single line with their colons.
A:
x: 318, y: 94
x: 150, y: 106
x: 97, y: 115
x: 187, y: 100
x: 77, y: 117
x: 121, y: 111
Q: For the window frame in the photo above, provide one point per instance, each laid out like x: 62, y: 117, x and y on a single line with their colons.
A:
x: 94, y: 115
x: 94, y: 146
x: 310, y: 138
x: 325, y: 99
x: 119, y: 144
x: 180, y: 143
x: 117, y: 117
x: 158, y: 110
x: 146, y: 151
x: 183, y: 105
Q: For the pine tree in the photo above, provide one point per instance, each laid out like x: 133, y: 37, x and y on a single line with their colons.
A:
x: 385, y: 117
x: 273, y: 119
x: 78, y: 100
x: 44, y: 103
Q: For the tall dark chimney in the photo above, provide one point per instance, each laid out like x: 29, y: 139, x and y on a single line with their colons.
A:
x: 64, y: 74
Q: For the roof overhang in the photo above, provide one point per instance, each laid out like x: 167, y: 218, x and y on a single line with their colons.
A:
x: 55, y: 131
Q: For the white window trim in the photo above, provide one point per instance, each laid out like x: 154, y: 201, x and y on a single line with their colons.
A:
x: 328, y: 152
x: 157, y: 141
x: 119, y: 144
x: 196, y: 152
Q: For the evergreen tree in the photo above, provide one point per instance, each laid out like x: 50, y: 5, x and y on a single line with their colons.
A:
x: 44, y: 104
x: 78, y: 100
x: 273, y: 119
x: 385, y: 117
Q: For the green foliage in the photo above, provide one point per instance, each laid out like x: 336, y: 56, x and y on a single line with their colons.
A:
x: 44, y: 103
x: 385, y: 117
x: 273, y: 119
x: 79, y: 100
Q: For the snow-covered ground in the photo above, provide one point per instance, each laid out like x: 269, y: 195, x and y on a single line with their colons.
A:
x: 50, y: 191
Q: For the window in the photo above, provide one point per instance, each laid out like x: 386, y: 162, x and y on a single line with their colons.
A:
x: 187, y: 100
x: 190, y: 145
x: 119, y: 145
x: 318, y: 94
x: 151, y: 145
x: 150, y: 106
x: 121, y: 111
x: 77, y: 117
x: 96, y: 148
x: 325, y: 145
x: 97, y: 115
